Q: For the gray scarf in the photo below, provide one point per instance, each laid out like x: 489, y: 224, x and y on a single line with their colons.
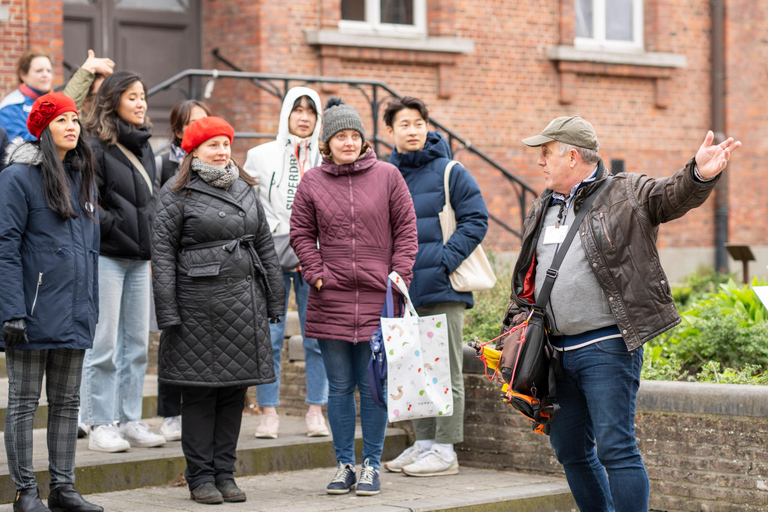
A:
x: 220, y: 177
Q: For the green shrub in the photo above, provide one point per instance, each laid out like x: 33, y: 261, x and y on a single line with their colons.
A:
x: 749, y: 374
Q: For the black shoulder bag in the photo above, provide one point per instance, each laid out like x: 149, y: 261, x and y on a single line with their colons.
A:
x: 528, y: 365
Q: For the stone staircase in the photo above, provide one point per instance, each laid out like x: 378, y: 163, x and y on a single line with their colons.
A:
x: 285, y: 474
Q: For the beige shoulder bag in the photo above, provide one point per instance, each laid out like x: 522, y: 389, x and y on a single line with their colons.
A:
x: 475, y: 273
x: 137, y: 164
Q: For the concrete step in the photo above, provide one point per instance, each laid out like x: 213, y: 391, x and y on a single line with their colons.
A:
x: 148, y: 407
x: 98, y: 472
x: 472, y: 490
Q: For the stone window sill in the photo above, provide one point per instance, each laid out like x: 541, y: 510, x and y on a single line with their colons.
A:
x: 572, y: 62
x: 441, y: 52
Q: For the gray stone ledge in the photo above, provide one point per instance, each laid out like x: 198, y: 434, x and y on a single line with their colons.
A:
x: 703, y: 398
x: 654, y: 59
x: 428, y: 44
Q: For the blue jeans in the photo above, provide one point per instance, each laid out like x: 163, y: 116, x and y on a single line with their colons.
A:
x: 114, y: 369
x: 268, y: 395
x: 346, y: 365
x: 597, y: 398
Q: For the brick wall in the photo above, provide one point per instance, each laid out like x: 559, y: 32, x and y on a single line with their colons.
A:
x: 505, y: 90
x: 508, y: 89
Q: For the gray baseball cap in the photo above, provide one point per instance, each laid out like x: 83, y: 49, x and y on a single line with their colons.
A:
x: 570, y: 130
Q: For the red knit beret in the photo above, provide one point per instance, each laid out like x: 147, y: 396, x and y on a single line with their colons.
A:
x: 46, y: 108
x: 204, y: 129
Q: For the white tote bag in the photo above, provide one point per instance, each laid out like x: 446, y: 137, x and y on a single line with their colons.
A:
x: 475, y: 273
x: 418, y: 365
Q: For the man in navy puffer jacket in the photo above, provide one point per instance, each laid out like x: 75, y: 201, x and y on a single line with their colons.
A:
x: 422, y: 158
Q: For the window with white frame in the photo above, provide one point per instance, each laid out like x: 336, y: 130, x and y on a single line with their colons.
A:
x: 392, y: 17
x: 609, y: 24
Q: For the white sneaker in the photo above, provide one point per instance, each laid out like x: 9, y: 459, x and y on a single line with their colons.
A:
x: 409, y: 456
x: 433, y: 464
x: 138, y: 435
x: 106, y: 438
x: 268, y: 426
x: 316, y: 426
x: 82, y: 430
x: 171, y: 428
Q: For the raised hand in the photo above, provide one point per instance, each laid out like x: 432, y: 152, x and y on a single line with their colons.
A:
x: 96, y: 65
x: 712, y: 159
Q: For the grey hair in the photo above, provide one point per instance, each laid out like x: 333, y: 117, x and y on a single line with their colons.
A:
x: 590, y: 156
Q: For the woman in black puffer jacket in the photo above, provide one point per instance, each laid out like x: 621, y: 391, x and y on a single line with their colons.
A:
x: 113, y: 375
x: 217, y: 283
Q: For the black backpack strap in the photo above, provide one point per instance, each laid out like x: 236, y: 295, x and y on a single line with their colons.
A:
x: 549, y: 282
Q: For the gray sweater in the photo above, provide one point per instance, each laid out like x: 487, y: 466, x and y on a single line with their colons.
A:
x: 577, y: 303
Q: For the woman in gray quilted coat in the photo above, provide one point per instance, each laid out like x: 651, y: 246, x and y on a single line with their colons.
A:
x: 217, y: 284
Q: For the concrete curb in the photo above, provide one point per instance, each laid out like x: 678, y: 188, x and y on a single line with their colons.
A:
x: 148, y: 410
x: 162, y: 470
x: 703, y: 398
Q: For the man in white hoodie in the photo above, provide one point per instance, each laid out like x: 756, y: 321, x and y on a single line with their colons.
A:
x: 279, y: 167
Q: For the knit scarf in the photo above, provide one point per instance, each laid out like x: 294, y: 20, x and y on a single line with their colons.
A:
x: 220, y: 177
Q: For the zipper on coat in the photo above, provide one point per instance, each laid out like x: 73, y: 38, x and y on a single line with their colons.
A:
x: 605, y: 231
x: 354, y: 255
x: 37, y: 290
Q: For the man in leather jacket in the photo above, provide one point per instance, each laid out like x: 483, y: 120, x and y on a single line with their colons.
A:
x: 609, y: 298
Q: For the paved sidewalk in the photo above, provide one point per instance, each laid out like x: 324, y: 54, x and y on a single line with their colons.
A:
x: 303, y: 491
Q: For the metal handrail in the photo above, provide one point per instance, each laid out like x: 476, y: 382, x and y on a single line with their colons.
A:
x: 265, y: 81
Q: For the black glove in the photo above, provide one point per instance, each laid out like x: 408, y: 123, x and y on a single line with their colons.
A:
x: 15, y: 332
x: 274, y: 320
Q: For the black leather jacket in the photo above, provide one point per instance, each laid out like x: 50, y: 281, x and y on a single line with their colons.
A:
x: 619, y: 236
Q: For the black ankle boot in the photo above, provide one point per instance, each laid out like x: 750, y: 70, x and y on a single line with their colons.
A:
x: 28, y: 500
x: 67, y: 499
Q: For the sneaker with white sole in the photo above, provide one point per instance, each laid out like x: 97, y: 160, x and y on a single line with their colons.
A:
x: 408, y: 456
x: 106, y: 438
x: 82, y: 430
x: 432, y: 463
x: 369, y: 484
x: 268, y: 426
x: 138, y: 434
x: 316, y: 426
x: 171, y: 428
x: 343, y: 481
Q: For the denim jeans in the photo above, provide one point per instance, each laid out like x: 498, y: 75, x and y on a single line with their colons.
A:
x: 597, y: 398
x: 268, y: 395
x: 346, y: 365
x: 114, y: 369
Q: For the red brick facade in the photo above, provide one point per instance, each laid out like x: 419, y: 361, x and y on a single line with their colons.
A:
x: 507, y: 88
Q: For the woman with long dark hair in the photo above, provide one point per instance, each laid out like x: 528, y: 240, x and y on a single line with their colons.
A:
x: 217, y: 283
x: 49, y: 241
x: 113, y: 376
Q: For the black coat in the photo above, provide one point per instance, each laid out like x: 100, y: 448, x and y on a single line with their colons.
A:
x: 127, y: 206
x: 217, y: 281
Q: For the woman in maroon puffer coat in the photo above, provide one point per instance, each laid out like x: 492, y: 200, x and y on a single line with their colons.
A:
x: 352, y: 223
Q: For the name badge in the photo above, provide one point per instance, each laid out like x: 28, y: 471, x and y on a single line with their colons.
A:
x: 555, y: 235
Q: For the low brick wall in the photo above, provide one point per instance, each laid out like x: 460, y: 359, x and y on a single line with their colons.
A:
x: 705, y: 445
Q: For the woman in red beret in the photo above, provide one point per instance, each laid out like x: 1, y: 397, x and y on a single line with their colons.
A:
x: 49, y: 244
x: 217, y: 283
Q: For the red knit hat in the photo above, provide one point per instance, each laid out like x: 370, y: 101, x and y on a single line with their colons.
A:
x: 204, y: 129
x: 46, y: 108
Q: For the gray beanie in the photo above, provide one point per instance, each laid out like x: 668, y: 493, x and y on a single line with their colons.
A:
x: 339, y: 116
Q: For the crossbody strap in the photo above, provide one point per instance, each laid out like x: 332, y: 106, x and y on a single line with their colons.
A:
x: 549, y: 282
x: 137, y: 164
